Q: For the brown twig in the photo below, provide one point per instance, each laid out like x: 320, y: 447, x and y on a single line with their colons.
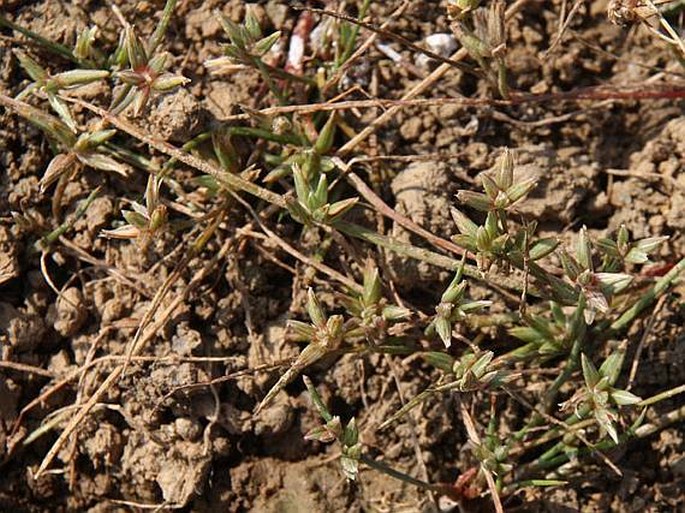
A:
x: 22, y: 367
x: 370, y: 196
x: 643, y: 341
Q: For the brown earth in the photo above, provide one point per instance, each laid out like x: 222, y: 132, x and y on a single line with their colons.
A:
x: 157, y: 439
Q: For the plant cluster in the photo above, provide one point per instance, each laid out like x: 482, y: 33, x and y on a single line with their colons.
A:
x: 576, y: 300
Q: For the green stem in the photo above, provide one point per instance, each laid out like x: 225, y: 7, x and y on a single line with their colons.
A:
x: 571, y: 366
x: 161, y: 29
x: 316, y: 399
x: 268, y: 135
x: 647, y: 299
x: 563, y: 291
x: 351, y: 40
x: 283, y: 74
x: 644, y: 431
x: 47, y: 240
x: 130, y: 157
x: 661, y: 396
x: 550, y: 454
x: 382, y: 467
x: 554, y: 457
x: 405, y: 249
x: 266, y: 75
x: 424, y: 255
x: 550, y: 396
x: 489, y: 320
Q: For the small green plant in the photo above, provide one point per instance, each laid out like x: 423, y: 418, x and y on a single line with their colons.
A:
x: 599, y: 397
x: 323, y: 335
x: 51, y: 85
x: 481, y: 31
x: 143, y: 221
x: 545, y: 309
x: 332, y: 430
x: 453, y: 307
x: 146, y: 74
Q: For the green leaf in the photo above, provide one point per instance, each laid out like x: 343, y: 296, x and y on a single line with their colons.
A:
x: 319, y: 197
x: 444, y: 329
x: 467, y: 242
x: 483, y: 239
x: 491, y: 225
x: 473, y: 306
x: 252, y: 23
x: 624, y: 398
x: 130, y: 77
x: 158, y: 63
x: 334, y: 327
x: 103, y: 163
x: 372, y: 290
x: 350, y: 467
x: 339, y: 208
x: 167, y: 82
x: 62, y: 110
x: 464, y: 224
x: 302, y: 331
x: 33, y: 69
x: 614, y: 283
x: 611, y: 367
x: 570, y: 265
x: 265, y: 44
x: 140, y: 101
x: 316, y: 313
x: 297, y: 211
x: 583, y: 251
x: 207, y: 181
x: 135, y: 219
x: 520, y: 190
x: 541, y: 482
x: 442, y: 361
x: 549, y: 348
x: 395, y: 313
x: 302, y: 187
x: 475, y: 200
x: 540, y: 324
x: 235, y: 32
x: 454, y: 292
x: 608, y: 246
x: 636, y: 256
x: 84, y: 42
x: 489, y: 186
x: 505, y: 172
x: 482, y: 363
x: 622, y: 237
x: 91, y: 140
x: 557, y: 313
x: 135, y: 50
x: 77, y: 77
x: 351, y: 434
x: 604, y: 420
x: 590, y: 373
x: 320, y: 434
x: 325, y: 140
x: 527, y: 334
x: 650, y: 244
x: 542, y: 248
